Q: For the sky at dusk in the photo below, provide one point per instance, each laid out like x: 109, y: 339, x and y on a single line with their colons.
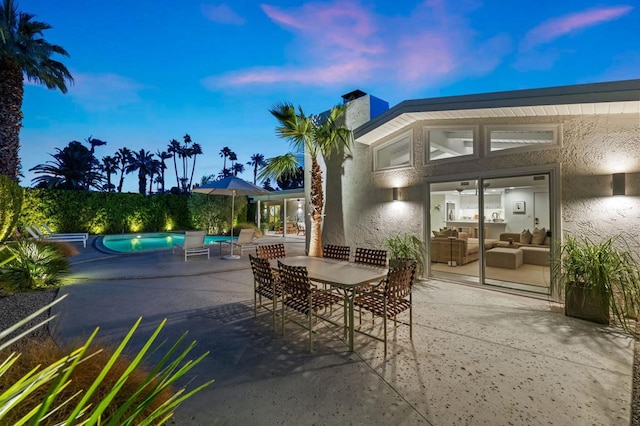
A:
x: 149, y: 71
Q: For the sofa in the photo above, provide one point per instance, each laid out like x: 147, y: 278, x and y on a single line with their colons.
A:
x: 460, y: 249
x: 515, y: 236
x: 535, y: 252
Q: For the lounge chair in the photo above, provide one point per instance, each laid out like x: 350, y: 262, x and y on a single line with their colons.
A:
x: 244, y: 241
x: 193, y: 244
x: 46, y: 231
x: 36, y: 233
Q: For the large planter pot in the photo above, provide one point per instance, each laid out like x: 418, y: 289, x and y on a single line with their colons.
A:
x: 586, y: 303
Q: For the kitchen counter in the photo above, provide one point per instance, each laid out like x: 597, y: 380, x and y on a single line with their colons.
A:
x: 492, y: 229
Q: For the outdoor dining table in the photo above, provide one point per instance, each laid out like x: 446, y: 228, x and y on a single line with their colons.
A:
x: 341, y: 274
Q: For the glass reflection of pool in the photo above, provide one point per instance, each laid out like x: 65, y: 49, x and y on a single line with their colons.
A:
x: 130, y: 243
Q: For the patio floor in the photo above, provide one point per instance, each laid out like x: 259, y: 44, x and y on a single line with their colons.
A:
x: 478, y: 357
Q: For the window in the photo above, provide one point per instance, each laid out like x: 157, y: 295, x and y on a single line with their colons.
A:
x: 522, y: 137
x: 394, y: 154
x: 450, y: 142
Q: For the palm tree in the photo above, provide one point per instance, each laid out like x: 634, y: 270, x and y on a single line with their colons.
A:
x: 257, y: 161
x: 143, y: 163
x: 224, y: 153
x: 110, y: 167
x: 124, y: 157
x: 237, y: 168
x: 97, y: 166
x: 72, y: 168
x: 318, y: 136
x: 196, y: 150
x: 154, y: 169
x: 23, y: 52
x: 175, y: 148
x: 163, y: 155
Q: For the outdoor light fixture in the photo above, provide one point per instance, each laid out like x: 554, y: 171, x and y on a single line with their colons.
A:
x: 619, y: 180
x: 396, y: 193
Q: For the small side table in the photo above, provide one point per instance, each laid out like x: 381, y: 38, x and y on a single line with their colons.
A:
x: 451, y: 261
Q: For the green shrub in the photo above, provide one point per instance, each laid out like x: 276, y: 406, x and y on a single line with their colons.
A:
x: 11, y: 195
x: 36, y: 265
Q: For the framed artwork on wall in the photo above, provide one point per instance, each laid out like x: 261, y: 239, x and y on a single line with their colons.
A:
x: 519, y: 207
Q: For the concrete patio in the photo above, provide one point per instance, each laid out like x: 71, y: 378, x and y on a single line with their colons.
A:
x: 478, y: 357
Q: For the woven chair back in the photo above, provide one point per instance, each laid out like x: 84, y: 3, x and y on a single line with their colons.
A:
x: 270, y: 251
x: 399, y: 281
x: 261, y: 271
x: 336, y: 252
x: 295, y: 281
x: 371, y: 257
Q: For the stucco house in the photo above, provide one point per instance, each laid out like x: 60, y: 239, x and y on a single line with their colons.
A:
x: 471, y: 174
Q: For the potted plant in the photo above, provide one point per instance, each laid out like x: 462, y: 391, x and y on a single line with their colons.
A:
x: 598, y: 280
x: 406, y: 247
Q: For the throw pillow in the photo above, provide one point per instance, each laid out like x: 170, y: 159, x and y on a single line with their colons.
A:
x: 463, y: 236
x: 437, y: 234
x: 538, y: 236
x: 525, y: 237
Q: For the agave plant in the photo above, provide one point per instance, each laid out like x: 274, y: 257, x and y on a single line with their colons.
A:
x: 81, y: 408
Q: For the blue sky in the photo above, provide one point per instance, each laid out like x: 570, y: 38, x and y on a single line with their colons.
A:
x: 148, y: 71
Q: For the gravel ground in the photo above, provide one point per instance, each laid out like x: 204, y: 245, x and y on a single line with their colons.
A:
x: 17, y: 306
x: 14, y: 307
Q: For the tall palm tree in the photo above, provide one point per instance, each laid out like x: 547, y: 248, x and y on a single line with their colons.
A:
x: 224, y: 153
x: 154, y: 169
x: 124, y: 157
x: 257, y: 161
x: 163, y: 155
x: 174, y: 149
x: 93, y: 142
x: 110, y: 167
x: 23, y: 52
x: 196, y: 149
x: 143, y: 163
x: 319, y: 136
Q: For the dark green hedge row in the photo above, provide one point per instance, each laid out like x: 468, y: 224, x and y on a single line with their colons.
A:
x: 104, y: 213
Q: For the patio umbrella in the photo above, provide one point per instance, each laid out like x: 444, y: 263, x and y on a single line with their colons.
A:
x: 233, y: 186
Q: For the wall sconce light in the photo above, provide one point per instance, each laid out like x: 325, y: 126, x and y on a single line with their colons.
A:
x: 619, y: 180
x: 396, y: 193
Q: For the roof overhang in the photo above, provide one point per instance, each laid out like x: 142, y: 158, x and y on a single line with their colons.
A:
x: 279, y: 196
x: 620, y: 97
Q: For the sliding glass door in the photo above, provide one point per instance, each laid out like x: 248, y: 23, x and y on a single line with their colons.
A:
x: 492, y: 231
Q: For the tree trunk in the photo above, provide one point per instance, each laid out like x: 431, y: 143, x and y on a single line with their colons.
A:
x: 11, y: 95
x: 316, y: 204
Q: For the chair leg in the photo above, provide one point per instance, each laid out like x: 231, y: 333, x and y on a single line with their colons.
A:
x: 384, y: 320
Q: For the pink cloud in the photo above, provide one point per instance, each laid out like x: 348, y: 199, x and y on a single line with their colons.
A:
x: 320, y: 75
x: 557, y: 27
x: 222, y: 14
x: 343, y: 42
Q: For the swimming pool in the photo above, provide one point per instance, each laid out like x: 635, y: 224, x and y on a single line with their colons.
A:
x: 132, y: 243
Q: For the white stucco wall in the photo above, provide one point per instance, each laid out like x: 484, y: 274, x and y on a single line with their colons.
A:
x: 593, y: 147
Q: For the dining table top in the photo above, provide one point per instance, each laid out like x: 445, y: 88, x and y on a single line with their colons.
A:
x: 340, y: 273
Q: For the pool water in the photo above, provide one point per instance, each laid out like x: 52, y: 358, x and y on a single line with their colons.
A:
x: 131, y: 243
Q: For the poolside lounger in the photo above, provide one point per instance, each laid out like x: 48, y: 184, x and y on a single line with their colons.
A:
x: 46, y: 231
x: 193, y: 244
x: 69, y: 238
x: 244, y: 241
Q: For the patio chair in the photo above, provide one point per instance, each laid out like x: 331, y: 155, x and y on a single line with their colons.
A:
x: 265, y: 284
x: 301, y: 228
x: 193, y: 244
x: 331, y: 251
x: 371, y: 257
x: 301, y: 296
x: 245, y: 241
x: 389, y: 298
x: 36, y: 233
